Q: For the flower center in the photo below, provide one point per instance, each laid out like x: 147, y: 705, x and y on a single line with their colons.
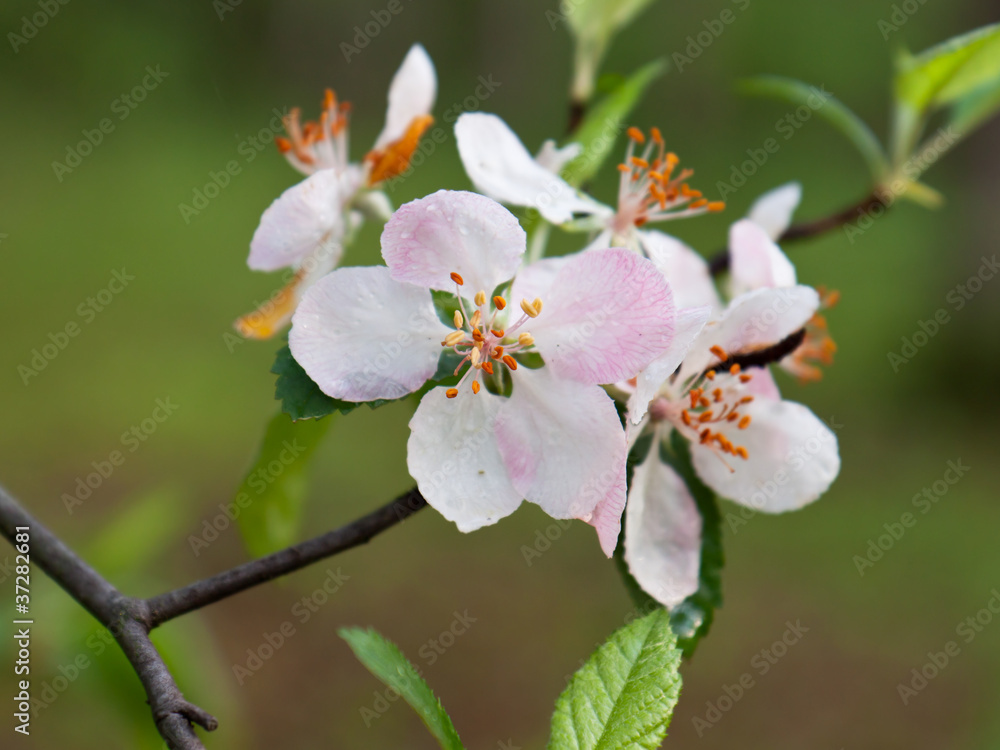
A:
x: 479, y: 341
x: 317, y: 145
x: 649, y: 191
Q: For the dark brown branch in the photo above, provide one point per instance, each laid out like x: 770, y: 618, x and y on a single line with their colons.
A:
x: 720, y: 261
x: 175, y: 603
x: 130, y: 620
x: 577, y: 110
x: 119, y: 614
x: 763, y: 357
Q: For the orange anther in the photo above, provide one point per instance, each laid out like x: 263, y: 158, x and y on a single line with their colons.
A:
x: 488, y: 367
x: 734, y: 370
x: 716, y: 206
x: 457, y: 278
x: 656, y: 135
x: 636, y: 135
x: 499, y: 302
x: 499, y: 334
x: 641, y: 163
x: 475, y: 386
x: 742, y: 452
x: 719, y: 352
x: 745, y: 422
x: 451, y: 392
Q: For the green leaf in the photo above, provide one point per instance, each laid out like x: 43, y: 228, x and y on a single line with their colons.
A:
x: 271, y: 495
x: 143, y: 529
x: 384, y: 660
x: 950, y: 70
x: 831, y: 109
x: 625, y: 694
x: 607, y: 117
x: 975, y: 109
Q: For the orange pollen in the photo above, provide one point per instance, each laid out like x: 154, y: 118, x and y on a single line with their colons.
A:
x: 477, y: 336
x: 744, y: 378
x: 700, y: 203
x: 510, y: 361
x: 498, y: 334
x: 745, y: 422
x: 394, y: 159
x: 715, y: 207
x: 457, y: 279
x: 719, y: 352
x: 710, y: 374
x: 451, y: 392
x: 706, y: 416
x: 742, y: 453
x: 656, y: 135
x: 641, y: 163
x: 499, y: 302
x: 636, y: 135
x: 734, y: 370
x: 475, y: 386
x: 284, y: 145
x: 624, y: 168
x: 488, y: 367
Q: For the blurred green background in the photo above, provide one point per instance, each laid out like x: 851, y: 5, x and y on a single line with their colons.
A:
x: 164, y: 336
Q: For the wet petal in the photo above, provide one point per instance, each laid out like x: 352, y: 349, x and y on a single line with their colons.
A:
x: 609, y: 313
x: 411, y: 95
x: 793, y: 459
x: 563, y: 444
x: 662, y: 532
x: 501, y: 167
x: 452, y: 454
x: 363, y: 336
x: 428, y: 239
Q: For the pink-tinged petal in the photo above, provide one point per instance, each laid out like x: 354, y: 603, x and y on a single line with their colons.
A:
x: 535, y: 279
x: 563, y: 444
x: 609, y: 313
x: 501, y: 167
x: 452, y: 454
x: 607, y: 516
x: 755, y: 262
x: 411, y: 95
x: 362, y: 336
x: 304, y: 216
x: 662, y: 532
x: 762, y: 384
x: 685, y: 270
x: 687, y: 327
x: 428, y: 239
x: 793, y: 459
x: 754, y: 320
x: 773, y: 210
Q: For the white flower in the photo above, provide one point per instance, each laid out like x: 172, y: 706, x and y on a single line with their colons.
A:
x: 372, y: 333
x: 306, y: 228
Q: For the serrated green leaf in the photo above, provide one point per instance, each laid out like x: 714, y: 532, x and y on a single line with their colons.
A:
x: 692, y: 618
x: 625, y: 694
x: 384, y: 660
x: 832, y: 110
x: 607, y: 117
x: 272, y: 494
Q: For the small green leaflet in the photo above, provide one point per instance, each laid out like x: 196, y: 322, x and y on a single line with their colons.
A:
x: 384, y: 660
x: 625, y: 694
x: 831, y: 109
x: 608, y: 117
x: 271, y: 495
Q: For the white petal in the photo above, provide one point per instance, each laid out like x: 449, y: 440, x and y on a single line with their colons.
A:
x: 686, y: 271
x: 363, y: 336
x: 773, y: 210
x: 553, y: 158
x: 411, y: 94
x: 755, y: 261
x: 428, y: 239
x: 500, y: 166
x: 662, y: 532
x: 754, y: 320
x: 687, y: 325
x: 562, y: 443
x: 793, y: 459
x: 300, y: 219
x: 452, y: 454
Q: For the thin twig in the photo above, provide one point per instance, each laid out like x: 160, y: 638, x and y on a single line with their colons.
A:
x: 720, y: 261
x: 130, y: 620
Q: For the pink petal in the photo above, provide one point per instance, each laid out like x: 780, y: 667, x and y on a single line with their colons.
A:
x: 609, y: 313
x: 428, y: 239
